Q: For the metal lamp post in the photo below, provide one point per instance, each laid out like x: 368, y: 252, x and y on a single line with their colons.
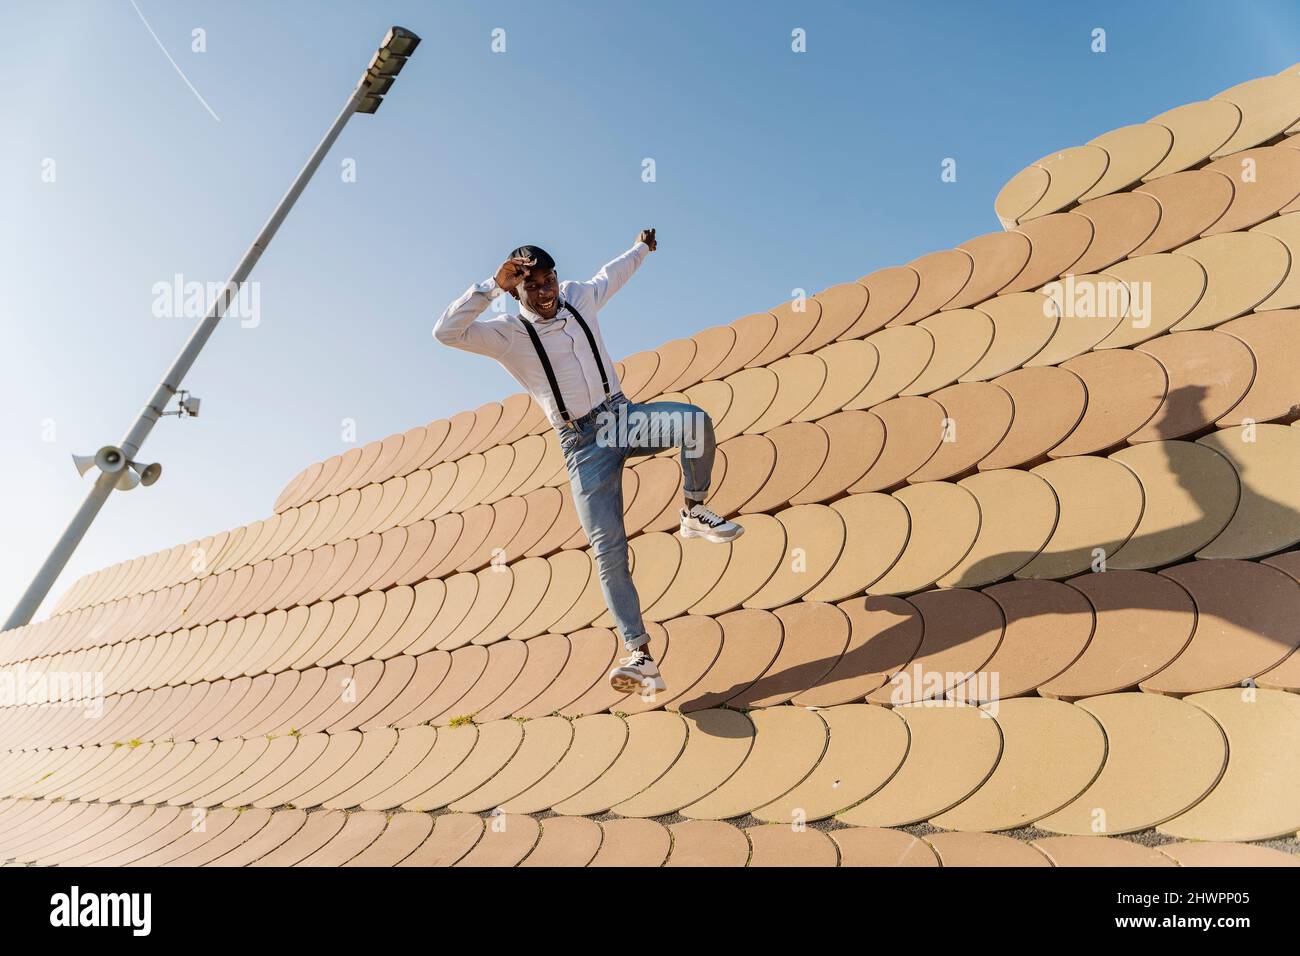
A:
x: 116, y: 463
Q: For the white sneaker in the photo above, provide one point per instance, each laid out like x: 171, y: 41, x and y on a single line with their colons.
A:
x: 700, y: 522
x: 636, y: 673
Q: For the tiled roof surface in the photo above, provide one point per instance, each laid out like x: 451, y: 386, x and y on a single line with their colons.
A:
x: 1020, y: 585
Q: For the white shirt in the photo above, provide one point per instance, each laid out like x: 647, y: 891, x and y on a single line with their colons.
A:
x: 504, y: 338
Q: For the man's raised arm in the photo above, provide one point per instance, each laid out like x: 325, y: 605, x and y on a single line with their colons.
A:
x: 457, y: 326
x: 614, y: 274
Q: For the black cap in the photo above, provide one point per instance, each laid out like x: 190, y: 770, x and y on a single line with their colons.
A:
x: 541, y: 258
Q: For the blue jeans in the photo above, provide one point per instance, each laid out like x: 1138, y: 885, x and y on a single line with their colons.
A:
x: 595, y: 447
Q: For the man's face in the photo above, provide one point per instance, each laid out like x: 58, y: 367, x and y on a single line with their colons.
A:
x: 540, y: 292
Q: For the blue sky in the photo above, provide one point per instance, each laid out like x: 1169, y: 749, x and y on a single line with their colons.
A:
x: 775, y: 170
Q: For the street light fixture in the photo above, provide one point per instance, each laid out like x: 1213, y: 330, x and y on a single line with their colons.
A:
x: 117, y: 468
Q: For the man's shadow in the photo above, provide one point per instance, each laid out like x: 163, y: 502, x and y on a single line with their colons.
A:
x: 894, y: 646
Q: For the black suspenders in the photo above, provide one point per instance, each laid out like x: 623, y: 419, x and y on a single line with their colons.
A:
x: 546, y: 362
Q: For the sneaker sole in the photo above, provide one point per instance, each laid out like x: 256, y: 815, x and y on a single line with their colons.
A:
x: 710, y: 536
x: 626, y: 684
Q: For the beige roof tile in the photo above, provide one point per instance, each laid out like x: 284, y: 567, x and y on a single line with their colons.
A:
x: 788, y: 743
x: 1125, y: 388
x: 850, y: 365
x: 876, y: 532
x: 1245, y: 625
x: 902, y: 352
x: 1051, y: 751
x: 914, y: 429
x: 703, y: 564
x: 983, y: 849
x: 546, y: 740
x: 1133, y: 152
x: 414, y: 745
x: 454, y: 445
x: 961, y: 337
x: 889, y: 292
x: 865, y: 747
x: 840, y: 307
x: 783, y: 846
x: 799, y: 379
x: 953, y: 750
x: 1198, y: 853
x: 753, y: 333
x: 1073, y: 172
x: 1048, y: 625
x: 487, y: 418
x: 707, y: 843
x: 632, y: 842
x: 655, y: 742
x: 814, y: 539
x: 1199, y: 129
x: 450, y: 749
x: 718, y: 744
x: 1162, y: 757
x: 401, y: 837
x: 1264, y: 181
x: 637, y: 371
x: 1023, y: 323
x: 856, y: 440
x: 877, y: 846
x: 1267, y: 519
x: 711, y: 347
x: 961, y: 631
x: 675, y: 358
x: 505, y: 662
x: 557, y: 671
x: 943, y: 275
x: 814, y: 638
x: 976, y: 419
x: 1190, y: 203
x: 1269, y: 106
x: 1172, y: 286
x: 1056, y: 243
x: 566, y: 841
x: 694, y: 645
x: 884, y: 636
x: 1242, y: 270
x: 1143, y: 621
x: 751, y: 641
x: 944, y: 523
x: 1100, y: 506
x: 998, y: 258
x: 454, y: 835
x: 1189, y: 495
x: 455, y: 771
x: 1097, y: 851
x: 240, y: 846
x: 1017, y: 514
x: 507, y: 839
x: 1287, y: 229
x: 753, y: 391
x: 430, y: 670
x: 795, y: 321
x: 359, y: 832
x: 754, y: 558
x: 1020, y: 194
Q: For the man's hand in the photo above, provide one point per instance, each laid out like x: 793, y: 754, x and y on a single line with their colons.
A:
x: 513, y: 272
x: 648, y: 237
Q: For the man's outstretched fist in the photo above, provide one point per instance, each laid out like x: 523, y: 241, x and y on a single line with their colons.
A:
x: 648, y: 237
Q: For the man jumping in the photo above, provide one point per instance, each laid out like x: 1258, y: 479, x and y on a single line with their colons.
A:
x: 555, y: 351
